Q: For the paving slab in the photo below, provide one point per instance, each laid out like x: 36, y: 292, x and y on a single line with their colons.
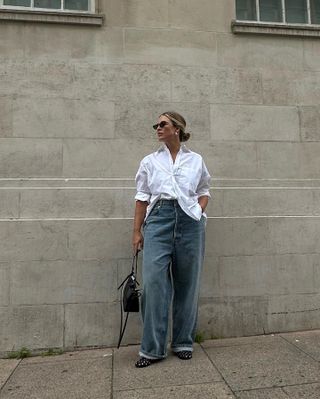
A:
x: 80, y: 379
x: 268, y: 393
x: 273, y: 363
x: 308, y: 391
x: 6, y: 368
x: 217, y: 390
x: 169, y: 372
x: 307, y: 341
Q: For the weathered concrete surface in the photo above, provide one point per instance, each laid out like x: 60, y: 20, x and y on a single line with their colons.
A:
x: 7, y: 366
x: 74, y: 282
x: 243, y: 122
x: 217, y: 85
x: 115, y: 201
x: 258, y: 367
x: 22, y: 158
x: 37, y: 117
x: 4, y: 283
x: 31, y: 327
x: 252, y: 282
x: 77, y: 106
x: 307, y: 341
x: 172, y: 373
x: 233, y: 50
x: 195, y: 48
x: 270, y: 364
x: 310, y: 123
x: 291, y: 87
x: 73, y: 379
x: 207, y: 15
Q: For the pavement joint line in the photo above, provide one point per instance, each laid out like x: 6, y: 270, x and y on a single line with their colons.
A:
x: 112, y: 374
x: 218, y: 370
x: 64, y: 313
x: 278, y: 386
x: 301, y: 350
x: 10, y: 375
x: 169, y: 385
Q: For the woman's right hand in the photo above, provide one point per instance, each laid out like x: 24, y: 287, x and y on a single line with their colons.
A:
x: 137, y: 241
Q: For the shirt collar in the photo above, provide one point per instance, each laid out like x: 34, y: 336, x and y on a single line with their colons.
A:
x: 183, y: 148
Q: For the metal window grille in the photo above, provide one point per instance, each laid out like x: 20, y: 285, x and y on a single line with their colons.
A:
x: 314, y: 11
x: 279, y: 11
x: 50, y: 5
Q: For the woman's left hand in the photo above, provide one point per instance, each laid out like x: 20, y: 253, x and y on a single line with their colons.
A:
x: 203, y: 202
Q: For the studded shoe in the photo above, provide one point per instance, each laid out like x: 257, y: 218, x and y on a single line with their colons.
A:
x: 184, y: 355
x: 144, y: 362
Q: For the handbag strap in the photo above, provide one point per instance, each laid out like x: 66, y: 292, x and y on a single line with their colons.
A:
x: 122, y: 327
x: 134, y: 270
x: 134, y: 266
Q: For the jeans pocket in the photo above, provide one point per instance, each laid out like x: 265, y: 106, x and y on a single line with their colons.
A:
x: 155, y: 210
x: 204, y: 220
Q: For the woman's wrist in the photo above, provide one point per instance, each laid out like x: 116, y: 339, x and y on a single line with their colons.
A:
x: 203, y: 202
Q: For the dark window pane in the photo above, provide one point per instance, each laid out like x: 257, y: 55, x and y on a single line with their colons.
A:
x: 271, y: 10
x: 54, y: 4
x: 246, y: 10
x: 81, y: 5
x: 20, y: 3
x: 296, y: 11
x: 315, y: 11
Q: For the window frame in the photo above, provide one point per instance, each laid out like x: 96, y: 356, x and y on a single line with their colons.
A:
x: 61, y: 10
x: 283, y: 22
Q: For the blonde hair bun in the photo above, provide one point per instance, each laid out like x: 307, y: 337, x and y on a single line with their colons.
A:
x: 178, y: 121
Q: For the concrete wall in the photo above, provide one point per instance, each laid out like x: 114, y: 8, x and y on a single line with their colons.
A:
x: 76, y: 106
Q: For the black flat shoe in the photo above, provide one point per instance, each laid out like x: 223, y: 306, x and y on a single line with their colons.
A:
x: 144, y: 362
x: 184, y: 355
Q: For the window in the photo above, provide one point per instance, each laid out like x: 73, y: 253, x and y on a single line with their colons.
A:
x: 296, y: 11
x: 270, y: 10
x: 52, y: 5
x: 315, y: 11
x: 279, y: 11
x: 246, y: 10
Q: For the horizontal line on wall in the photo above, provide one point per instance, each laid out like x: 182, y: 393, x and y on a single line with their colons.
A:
x: 266, y: 188
x: 131, y: 218
x: 67, y: 188
x: 134, y: 188
x: 67, y: 179
x: 263, y: 179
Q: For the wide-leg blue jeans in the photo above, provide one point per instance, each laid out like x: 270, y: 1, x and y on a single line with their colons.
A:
x: 173, y: 241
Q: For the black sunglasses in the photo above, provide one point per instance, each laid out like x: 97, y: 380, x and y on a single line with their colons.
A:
x: 161, y: 125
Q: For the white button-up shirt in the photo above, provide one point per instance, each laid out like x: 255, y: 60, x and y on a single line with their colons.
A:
x: 185, y: 180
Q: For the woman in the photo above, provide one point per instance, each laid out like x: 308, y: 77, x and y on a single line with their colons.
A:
x: 172, y: 194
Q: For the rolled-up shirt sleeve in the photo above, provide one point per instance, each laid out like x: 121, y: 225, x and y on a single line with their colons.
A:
x: 204, y: 184
x: 143, y: 190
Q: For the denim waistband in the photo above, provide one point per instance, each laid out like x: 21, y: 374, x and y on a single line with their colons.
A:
x: 172, y: 202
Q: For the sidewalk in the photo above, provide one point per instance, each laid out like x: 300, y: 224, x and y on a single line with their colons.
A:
x: 278, y: 366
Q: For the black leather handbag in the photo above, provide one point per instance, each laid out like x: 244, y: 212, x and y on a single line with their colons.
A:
x: 129, y: 301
